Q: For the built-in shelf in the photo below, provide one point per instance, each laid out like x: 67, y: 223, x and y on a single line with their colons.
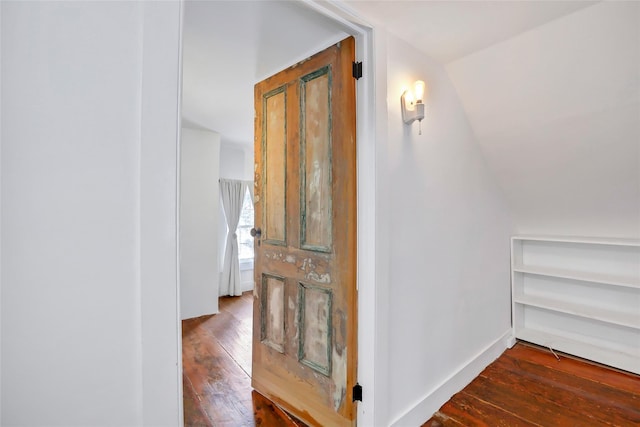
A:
x: 586, y: 290
x: 628, y: 360
x: 602, y: 315
x: 612, y: 241
x: 607, y: 279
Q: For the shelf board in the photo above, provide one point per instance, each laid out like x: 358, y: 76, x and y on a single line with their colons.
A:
x: 579, y: 239
x: 602, y: 315
x: 607, y: 279
x: 627, y: 360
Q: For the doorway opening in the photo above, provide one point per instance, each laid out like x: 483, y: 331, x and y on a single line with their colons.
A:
x: 266, y: 50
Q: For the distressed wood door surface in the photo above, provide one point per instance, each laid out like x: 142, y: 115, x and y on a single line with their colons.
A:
x: 304, y: 334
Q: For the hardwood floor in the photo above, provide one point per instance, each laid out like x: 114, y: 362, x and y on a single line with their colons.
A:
x: 528, y: 386
x: 216, y: 358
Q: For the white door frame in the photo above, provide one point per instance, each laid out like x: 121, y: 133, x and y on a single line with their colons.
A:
x: 366, y: 189
x: 366, y: 200
x: 366, y: 261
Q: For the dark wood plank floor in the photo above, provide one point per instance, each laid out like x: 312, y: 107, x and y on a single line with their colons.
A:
x: 216, y: 359
x: 528, y: 386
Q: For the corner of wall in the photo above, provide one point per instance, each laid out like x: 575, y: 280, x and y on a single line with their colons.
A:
x: 429, y: 404
x: 382, y: 209
x: 161, y: 365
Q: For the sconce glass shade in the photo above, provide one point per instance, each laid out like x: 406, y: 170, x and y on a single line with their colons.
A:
x: 418, y: 89
x: 412, y: 103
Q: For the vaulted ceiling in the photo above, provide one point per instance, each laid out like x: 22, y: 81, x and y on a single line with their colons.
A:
x: 556, y: 111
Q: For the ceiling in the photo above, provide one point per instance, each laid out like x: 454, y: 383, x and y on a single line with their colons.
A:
x: 448, y: 30
x: 231, y: 45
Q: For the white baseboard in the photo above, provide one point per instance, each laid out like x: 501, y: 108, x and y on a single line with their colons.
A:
x: 511, y: 341
x: 437, y: 397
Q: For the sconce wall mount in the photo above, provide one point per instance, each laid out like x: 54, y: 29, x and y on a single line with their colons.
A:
x: 412, y: 103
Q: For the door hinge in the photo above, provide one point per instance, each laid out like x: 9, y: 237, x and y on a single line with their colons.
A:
x: 357, y: 392
x: 357, y: 70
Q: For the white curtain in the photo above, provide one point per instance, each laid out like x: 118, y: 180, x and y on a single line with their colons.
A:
x: 232, y: 193
x: 250, y: 186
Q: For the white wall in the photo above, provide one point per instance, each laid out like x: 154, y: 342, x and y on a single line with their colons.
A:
x: 0, y: 214
x: 199, y: 217
x: 556, y: 111
x: 161, y: 333
x: 448, y: 255
x: 88, y: 206
x: 70, y: 148
x: 249, y: 164
x: 232, y: 162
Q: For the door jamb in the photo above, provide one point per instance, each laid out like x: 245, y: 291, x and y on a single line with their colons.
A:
x: 366, y: 199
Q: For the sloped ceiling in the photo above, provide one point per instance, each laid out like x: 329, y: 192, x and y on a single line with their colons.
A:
x: 552, y: 92
x: 556, y: 111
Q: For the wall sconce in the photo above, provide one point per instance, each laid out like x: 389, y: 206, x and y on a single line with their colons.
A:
x: 412, y: 102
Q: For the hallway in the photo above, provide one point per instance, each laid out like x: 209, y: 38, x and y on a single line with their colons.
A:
x: 216, y: 355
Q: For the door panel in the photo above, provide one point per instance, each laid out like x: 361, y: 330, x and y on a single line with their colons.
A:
x: 314, y: 348
x: 304, y: 346
x: 315, y: 143
x: 272, y: 322
x: 275, y: 167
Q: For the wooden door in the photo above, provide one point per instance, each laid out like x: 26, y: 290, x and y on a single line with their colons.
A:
x: 304, y: 329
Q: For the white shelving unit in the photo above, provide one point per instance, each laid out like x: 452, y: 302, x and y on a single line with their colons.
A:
x: 578, y: 295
